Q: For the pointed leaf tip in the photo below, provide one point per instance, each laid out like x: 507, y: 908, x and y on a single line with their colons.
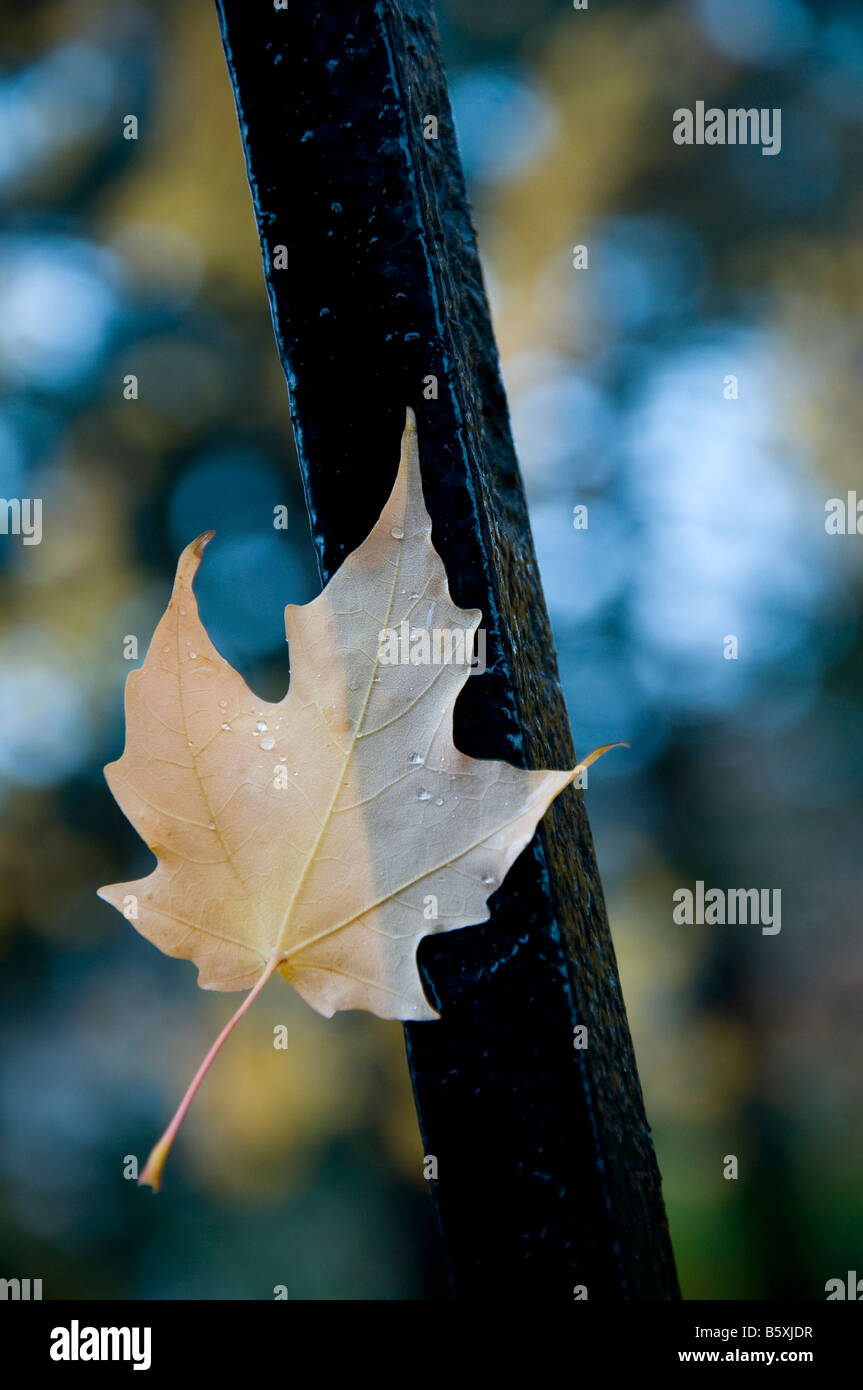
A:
x: 596, y: 754
x: 188, y: 563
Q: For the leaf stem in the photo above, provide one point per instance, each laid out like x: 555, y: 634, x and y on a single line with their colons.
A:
x: 151, y: 1175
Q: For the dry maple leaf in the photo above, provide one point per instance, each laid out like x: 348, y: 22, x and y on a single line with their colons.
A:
x: 325, y: 835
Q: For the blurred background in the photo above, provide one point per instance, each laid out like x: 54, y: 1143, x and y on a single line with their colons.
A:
x: 706, y: 520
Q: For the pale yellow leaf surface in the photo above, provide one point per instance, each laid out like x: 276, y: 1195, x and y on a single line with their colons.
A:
x: 381, y: 815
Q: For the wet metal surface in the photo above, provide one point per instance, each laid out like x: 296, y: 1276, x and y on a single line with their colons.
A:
x: 547, y: 1175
